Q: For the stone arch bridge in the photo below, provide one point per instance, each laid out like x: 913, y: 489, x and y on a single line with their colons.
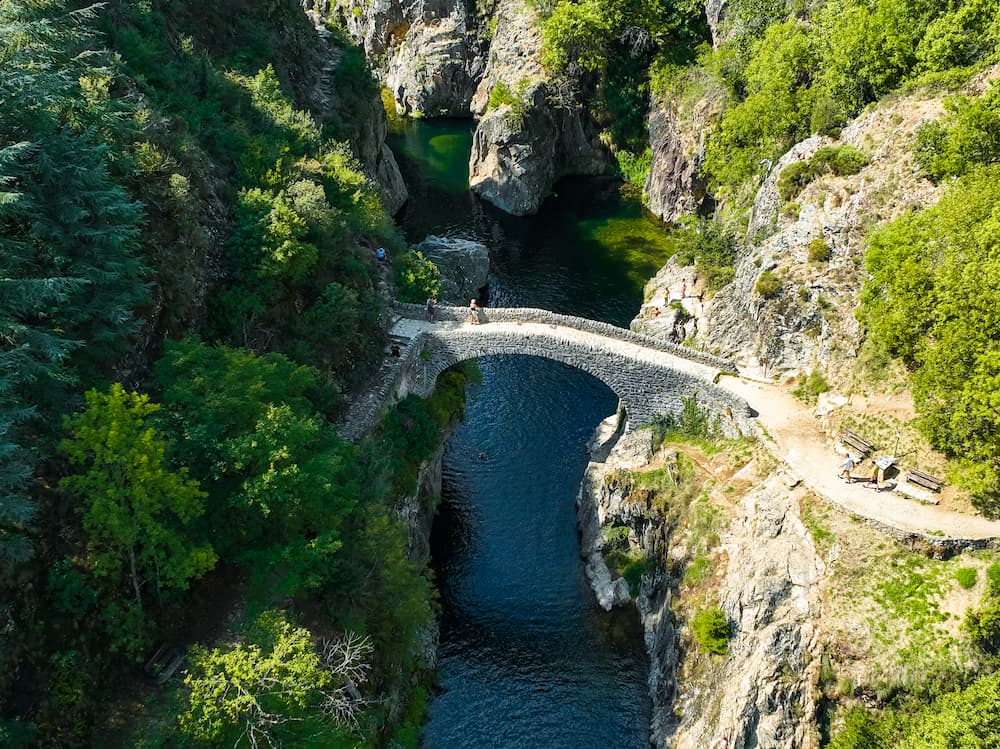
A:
x: 649, y: 376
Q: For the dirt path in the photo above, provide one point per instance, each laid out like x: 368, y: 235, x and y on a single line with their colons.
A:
x: 803, y: 447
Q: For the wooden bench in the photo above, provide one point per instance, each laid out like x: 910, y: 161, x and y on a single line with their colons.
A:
x: 924, y: 479
x: 912, y: 491
x: 856, y: 441
x: 164, y: 663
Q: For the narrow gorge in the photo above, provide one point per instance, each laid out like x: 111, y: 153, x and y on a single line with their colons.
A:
x: 711, y: 462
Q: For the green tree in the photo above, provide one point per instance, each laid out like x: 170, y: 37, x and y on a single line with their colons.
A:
x: 280, y: 481
x: 711, y: 630
x: 932, y: 299
x: 134, y: 505
x: 968, y: 136
x: 776, y: 110
x: 575, y: 35
x: 416, y: 278
x: 276, y: 687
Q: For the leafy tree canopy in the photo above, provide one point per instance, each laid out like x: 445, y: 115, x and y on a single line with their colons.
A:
x: 932, y: 299
x: 134, y: 506
x: 276, y: 688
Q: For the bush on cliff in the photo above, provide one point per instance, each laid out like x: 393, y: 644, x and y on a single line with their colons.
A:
x: 839, y: 161
x: 710, y: 629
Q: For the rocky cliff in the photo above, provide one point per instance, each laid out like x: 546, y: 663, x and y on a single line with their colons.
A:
x: 445, y: 58
x: 429, y: 54
x: 679, y: 122
x: 763, y: 570
x: 534, y: 135
x: 812, y: 246
x: 362, y: 118
x: 761, y: 693
x: 724, y: 531
x: 808, y: 321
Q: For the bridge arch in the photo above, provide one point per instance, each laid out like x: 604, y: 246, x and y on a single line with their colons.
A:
x: 649, y: 376
x: 648, y: 381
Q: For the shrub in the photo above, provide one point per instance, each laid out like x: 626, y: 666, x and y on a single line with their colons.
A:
x: 968, y: 135
x: 811, y: 385
x: 634, y: 571
x: 501, y: 95
x: 983, y: 624
x: 709, y: 247
x: 635, y: 169
x: 416, y: 278
x: 860, y: 731
x: 692, y: 422
x: 793, y: 178
x: 993, y: 578
x: 711, y: 631
x: 839, y: 160
x: 819, y: 251
x: 768, y: 285
x: 616, y: 536
x: 966, y: 577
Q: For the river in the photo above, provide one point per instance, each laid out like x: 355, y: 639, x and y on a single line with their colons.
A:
x: 527, y: 659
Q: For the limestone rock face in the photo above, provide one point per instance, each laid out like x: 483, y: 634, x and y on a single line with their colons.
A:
x: 675, y: 308
x: 810, y: 321
x: 512, y: 164
x: 600, y: 502
x: 762, y: 694
x: 714, y: 10
x: 518, y: 156
x: 428, y: 53
x: 518, y: 152
x: 433, y: 70
x: 678, y: 128
x: 464, y: 266
x: 513, y: 54
x: 673, y: 186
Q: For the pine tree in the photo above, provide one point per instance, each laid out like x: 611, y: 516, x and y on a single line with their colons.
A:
x: 69, y: 283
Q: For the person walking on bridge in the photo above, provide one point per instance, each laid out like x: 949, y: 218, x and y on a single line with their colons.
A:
x: 473, y: 312
x: 431, y: 304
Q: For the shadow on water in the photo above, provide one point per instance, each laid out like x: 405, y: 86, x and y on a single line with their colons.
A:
x: 527, y: 659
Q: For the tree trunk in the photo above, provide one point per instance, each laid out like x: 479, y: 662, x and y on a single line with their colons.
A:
x: 135, y: 576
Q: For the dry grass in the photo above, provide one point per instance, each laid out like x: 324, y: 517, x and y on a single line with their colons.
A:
x: 892, y: 617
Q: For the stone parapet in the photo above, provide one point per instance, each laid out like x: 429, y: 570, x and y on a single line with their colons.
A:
x: 533, y: 314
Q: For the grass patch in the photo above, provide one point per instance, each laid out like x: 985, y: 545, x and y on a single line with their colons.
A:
x: 966, y: 577
x: 810, y: 386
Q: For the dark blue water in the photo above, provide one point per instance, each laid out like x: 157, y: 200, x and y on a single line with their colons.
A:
x: 528, y: 660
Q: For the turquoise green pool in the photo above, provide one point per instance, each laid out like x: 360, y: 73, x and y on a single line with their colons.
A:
x: 588, y: 251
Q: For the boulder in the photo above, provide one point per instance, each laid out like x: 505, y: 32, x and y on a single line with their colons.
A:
x: 512, y: 164
x: 520, y: 150
x: 464, y: 265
